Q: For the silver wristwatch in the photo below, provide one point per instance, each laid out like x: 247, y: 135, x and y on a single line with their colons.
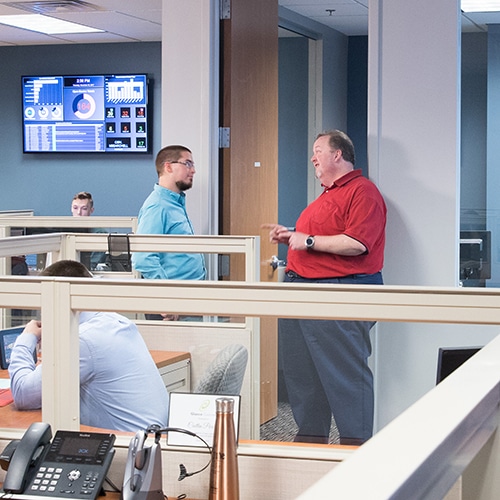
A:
x: 310, y: 242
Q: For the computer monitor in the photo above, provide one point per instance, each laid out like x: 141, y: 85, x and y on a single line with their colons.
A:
x: 450, y: 358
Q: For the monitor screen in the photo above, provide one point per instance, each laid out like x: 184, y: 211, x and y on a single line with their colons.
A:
x: 86, y: 113
x: 450, y: 358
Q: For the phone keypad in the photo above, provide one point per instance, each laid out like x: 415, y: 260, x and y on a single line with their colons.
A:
x: 46, y: 479
x: 60, y: 482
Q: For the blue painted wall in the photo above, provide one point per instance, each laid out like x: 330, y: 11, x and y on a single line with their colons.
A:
x: 357, y: 98
x: 474, y: 130
x: 293, y: 151
x: 46, y: 183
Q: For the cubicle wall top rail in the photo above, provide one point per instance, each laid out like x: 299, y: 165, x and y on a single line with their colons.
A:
x: 69, y: 221
x: 354, y: 302
x: 23, y: 245
x: 68, y: 245
x: 138, y: 243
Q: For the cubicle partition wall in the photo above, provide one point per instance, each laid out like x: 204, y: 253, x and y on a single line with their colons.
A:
x: 202, y: 339
x: 421, y: 454
x: 21, y: 223
x: 445, y: 442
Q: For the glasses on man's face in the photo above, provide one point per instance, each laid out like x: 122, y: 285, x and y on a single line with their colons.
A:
x: 188, y: 163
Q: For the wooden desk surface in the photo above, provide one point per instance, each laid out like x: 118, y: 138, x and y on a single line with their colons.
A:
x: 16, y: 419
x: 164, y: 358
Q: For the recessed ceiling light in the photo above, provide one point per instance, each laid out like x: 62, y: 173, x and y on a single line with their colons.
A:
x: 46, y: 24
x: 480, y: 5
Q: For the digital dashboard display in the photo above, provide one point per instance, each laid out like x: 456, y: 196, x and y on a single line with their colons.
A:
x: 93, y: 113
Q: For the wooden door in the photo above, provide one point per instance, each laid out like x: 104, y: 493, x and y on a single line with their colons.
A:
x: 249, y: 167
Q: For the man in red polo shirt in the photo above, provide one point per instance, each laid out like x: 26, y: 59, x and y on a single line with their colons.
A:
x: 339, y: 238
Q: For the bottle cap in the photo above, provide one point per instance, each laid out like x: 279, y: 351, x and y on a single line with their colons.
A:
x: 224, y: 405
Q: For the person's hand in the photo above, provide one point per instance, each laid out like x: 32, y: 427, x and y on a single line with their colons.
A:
x: 278, y: 233
x: 35, y: 328
x: 170, y: 317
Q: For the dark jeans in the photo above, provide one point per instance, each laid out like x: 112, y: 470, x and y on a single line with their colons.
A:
x: 326, y: 372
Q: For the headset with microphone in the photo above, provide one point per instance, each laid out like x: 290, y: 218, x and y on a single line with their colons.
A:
x: 143, y: 471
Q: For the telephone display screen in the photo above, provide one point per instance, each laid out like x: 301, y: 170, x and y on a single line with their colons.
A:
x: 76, y: 448
x: 79, y: 447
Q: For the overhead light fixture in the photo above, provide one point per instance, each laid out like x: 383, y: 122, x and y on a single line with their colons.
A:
x: 480, y: 5
x: 46, y: 24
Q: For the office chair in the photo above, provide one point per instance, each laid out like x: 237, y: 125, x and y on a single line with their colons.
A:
x: 225, y: 373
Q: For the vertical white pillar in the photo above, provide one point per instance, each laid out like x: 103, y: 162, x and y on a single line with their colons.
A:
x: 413, y: 152
x: 190, y: 103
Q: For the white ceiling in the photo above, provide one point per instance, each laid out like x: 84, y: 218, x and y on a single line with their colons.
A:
x: 136, y: 20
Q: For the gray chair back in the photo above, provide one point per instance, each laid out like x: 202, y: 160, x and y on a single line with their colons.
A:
x: 225, y: 374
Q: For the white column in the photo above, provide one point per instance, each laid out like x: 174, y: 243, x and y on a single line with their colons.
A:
x: 189, y: 89
x: 413, y: 152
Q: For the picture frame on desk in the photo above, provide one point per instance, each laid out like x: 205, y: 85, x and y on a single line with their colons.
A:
x: 197, y: 413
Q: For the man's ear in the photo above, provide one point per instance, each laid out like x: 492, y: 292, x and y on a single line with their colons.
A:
x: 167, y: 167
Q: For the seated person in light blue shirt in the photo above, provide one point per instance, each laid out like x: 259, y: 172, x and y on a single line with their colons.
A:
x: 120, y: 385
x: 164, y: 212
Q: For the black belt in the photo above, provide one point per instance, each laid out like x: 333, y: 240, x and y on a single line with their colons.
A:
x: 293, y: 274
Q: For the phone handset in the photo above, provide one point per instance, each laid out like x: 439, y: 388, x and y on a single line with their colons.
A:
x: 28, y: 450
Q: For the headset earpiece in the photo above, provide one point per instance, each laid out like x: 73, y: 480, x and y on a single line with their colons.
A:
x: 139, y: 453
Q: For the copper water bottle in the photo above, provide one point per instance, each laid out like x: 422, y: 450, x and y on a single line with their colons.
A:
x: 224, y: 481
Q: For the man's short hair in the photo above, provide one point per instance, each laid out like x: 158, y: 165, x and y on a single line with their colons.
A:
x: 169, y: 154
x: 84, y: 195
x: 70, y: 268
x: 340, y: 140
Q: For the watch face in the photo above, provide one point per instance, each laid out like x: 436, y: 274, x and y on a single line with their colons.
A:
x: 309, y: 242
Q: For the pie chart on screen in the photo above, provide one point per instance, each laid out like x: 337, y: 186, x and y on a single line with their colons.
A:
x: 84, y: 106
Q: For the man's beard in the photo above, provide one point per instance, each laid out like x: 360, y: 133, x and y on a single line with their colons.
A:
x: 183, y: 186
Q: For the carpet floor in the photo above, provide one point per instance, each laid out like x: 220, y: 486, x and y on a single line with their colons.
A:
x: 283, y: 427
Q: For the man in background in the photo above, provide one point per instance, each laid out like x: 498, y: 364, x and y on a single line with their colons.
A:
x: 120, y: 385
x: 164, y: 212
x: 82, y: 204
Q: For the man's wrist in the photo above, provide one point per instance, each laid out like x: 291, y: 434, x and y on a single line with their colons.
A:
x: 310, y: 241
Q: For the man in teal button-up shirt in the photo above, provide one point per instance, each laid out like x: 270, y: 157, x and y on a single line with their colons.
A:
x: 164, y: 212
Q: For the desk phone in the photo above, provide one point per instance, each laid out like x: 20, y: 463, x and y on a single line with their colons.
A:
x: 73, y: 465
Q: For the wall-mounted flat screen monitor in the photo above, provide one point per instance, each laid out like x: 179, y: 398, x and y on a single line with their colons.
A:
x: 86, y: 114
